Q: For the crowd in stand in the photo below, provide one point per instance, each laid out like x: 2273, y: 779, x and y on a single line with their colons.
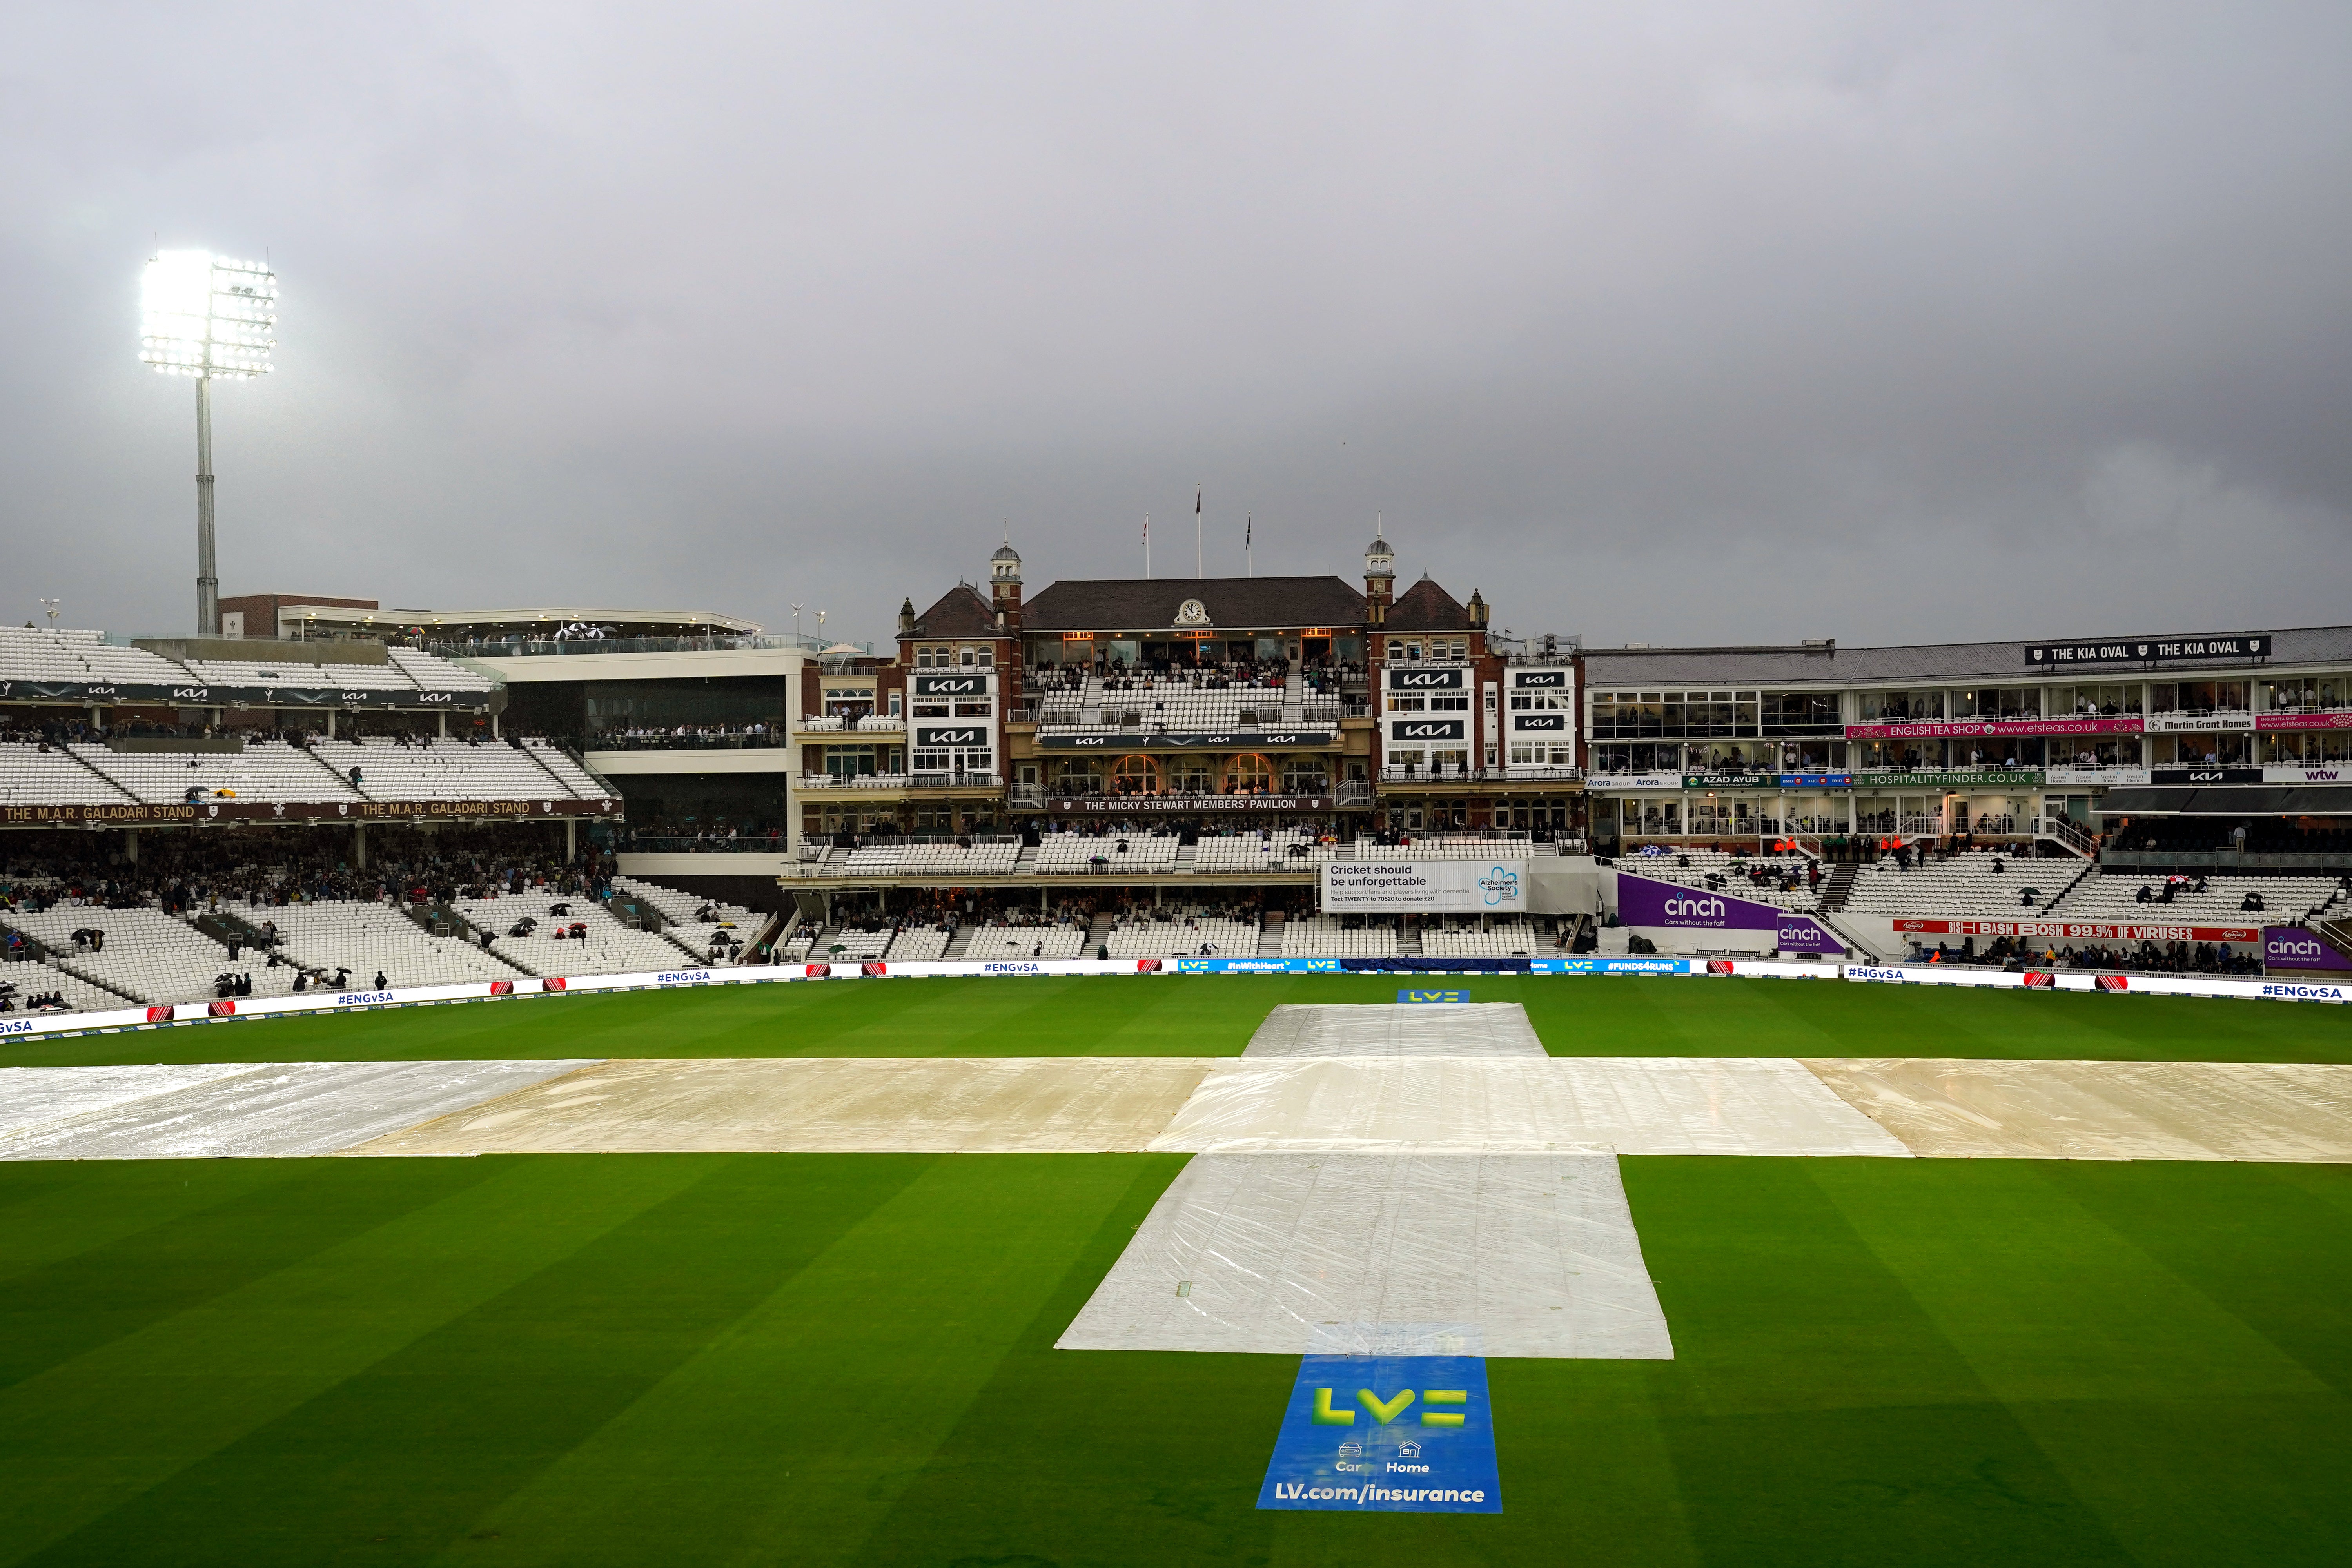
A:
x: 2147, y: 958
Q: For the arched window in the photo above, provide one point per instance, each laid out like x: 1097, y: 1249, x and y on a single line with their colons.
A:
x: 1135, y: 773
x: 1249, y: 773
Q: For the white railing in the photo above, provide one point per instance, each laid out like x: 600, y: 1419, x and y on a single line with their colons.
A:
x: 855, y: 781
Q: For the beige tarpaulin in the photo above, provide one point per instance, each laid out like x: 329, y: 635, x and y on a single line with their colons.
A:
x: 828, y: 1105
x: 1391, y: 1029
x: 2104, y: 1111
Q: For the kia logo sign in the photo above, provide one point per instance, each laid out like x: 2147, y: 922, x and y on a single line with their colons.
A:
x: 1539, y: 722
x: 1525, y: 679
x: 950, y: 685
x: 1423, y: 680
x: 1428, y: 730
x: 972, y: 737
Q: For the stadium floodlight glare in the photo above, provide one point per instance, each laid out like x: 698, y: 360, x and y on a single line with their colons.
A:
x: 206, y: 316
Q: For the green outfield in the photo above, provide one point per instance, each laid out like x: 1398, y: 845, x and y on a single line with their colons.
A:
x: 847, y: 1359
x: 1210, y: 1015
x: 634, y: 1359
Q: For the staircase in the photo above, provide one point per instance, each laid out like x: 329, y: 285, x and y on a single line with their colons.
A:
x: 1185, y: 855
x: 1294, y: 700
x: 2335, y: 933
x: 1097, y: 933
x: 960, y: 944
x: 1269, y: 935
x: 1840, y: 885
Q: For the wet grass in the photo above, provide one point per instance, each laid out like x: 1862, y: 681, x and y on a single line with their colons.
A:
x: 806, y: 1359
x: 1215, y: 1015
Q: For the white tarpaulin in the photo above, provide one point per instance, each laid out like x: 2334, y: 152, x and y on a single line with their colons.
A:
x: 1497, y: 887
x: 1660, y: 1105
x: 282, y: 1109
x: 1292, y: 1254
x: 1390, y: 1029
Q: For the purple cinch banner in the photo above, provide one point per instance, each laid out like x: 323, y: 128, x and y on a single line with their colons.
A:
x: 1646, y: 901
x: 2298, y: 947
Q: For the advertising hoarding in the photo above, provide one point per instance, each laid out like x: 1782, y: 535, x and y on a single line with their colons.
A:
x: 1645, y: 901
x: 1425, y: 886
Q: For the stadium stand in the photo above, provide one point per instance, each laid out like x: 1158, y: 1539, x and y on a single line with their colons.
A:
x: 1502, y: 939
x: 1274, y: 850
x: 265, y: 771
x: 2284, y: 900
x: 606, y: 947
x: 28, y: 653
x: 566, y: 770
x: 1174, y: 932
x: 433, y: 674
x: 1720, y: 871
x: 24, y: 984
x: 34, y: 775
x: 1444, y: 848
x: 696, y: 922
x: 444, y: 770
x: 947, y: 859
x: 1980, y: 884
x: 1329, y: 936
x: 1005, y: 943
x: 1138, y: 854
x: 919, y: 942
x: 872, y: 861
x: 146, y: 954
x: 371, y: 938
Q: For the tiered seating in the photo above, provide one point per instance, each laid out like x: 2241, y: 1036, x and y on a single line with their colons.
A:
x: 796, y: 949
x: 444, y: 770
x: 369, y: 939
x: 264, y: 770
x: 2286, y: 900
x: 149, y: 956
x: 1135, y: 854
x: 290, y: 672
x: 1182, y: 933
x: 1503, y: 939
x: 568, y: 773
x: 610, y: 948
x: 853, y: 945
x: 32, y: 980
x: 1730, y: 875
x: 434, y: 674
x: 1001, y: 944
x: 28, y: 653
x: 873, y: 860
x: 1329, y: 936
x: 1249, y: 852
x: 919, y: 943
x: 681, y: 909
x: 1446, y: 848
x: 1179, y: 703
x: 950, y: 860
x: 1964, y: 887
x: 31, y: 776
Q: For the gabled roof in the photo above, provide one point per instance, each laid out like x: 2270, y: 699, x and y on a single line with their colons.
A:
x: 960, y: 613
x: 1426, y: 607
x: 1238, y: 603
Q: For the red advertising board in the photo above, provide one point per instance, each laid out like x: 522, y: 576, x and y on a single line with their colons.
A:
x: 2081, y: 931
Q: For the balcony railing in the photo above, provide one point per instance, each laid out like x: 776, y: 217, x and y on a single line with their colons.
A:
x: 836, y: 724
x: 673, y: 740
x: 1520, y: 772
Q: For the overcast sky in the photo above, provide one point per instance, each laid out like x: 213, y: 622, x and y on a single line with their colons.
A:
x: 1655, y: 322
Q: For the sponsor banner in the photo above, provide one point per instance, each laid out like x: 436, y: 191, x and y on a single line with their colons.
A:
x: 1543, y: 679
x: 2149, y: 650
x: 1386, y: 1434
x: 964, y: 683
x: 2281, y: 773
x: 130, y: 814
x: 952, y: 736
x: 1440, y: 887
x: 1432, y: 995
x: 203, y: 694
x: 2205, y: 775
x: 1180, y: 805
x: 1933, y: 974
x: 2298, y: 947
x: 2079, y: 931
x: 1963, y: 778
x: 2196, y: 723
x: 1960, y: 729
x: 1428, y: 729
x: 1412, y: 678
x: 1531, y: 721
x: 1648, y: 902
x: 1767, y: 781
x: 1609, y: 966
x: 2339, y: 719
x: 1637, y: 780
x: 1192, y: 741
x: 1768, y: 968
x: 1242, y: 965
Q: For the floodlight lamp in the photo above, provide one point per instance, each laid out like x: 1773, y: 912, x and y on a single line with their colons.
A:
x: 205, y: 315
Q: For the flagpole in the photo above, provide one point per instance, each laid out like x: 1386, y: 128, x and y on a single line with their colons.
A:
x: 1249, y: 560
x: 1147, y: 546
x: 1197, y: 558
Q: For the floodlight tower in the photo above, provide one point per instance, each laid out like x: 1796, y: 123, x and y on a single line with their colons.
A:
x: 206, y: 316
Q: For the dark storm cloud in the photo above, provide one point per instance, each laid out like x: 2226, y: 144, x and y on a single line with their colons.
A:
x: 1653, y: 322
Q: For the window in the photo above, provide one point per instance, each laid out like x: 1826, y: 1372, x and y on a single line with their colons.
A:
x: 1997, y: 703
x: 1911, y: 707
x: 2308, y: 694
x: 1443, y: 703
x: 2104, y: 702
x: 972, y: 709
x: 1800, y: 712
x: 2202, y: 697
x: 1407, y: 704
x: 1630, y: 714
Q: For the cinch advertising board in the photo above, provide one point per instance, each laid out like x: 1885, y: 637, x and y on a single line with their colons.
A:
x: 2297, y: 947
x: 1645, y: 901
x: 1426, y: 887
x: 1386, y: 1433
